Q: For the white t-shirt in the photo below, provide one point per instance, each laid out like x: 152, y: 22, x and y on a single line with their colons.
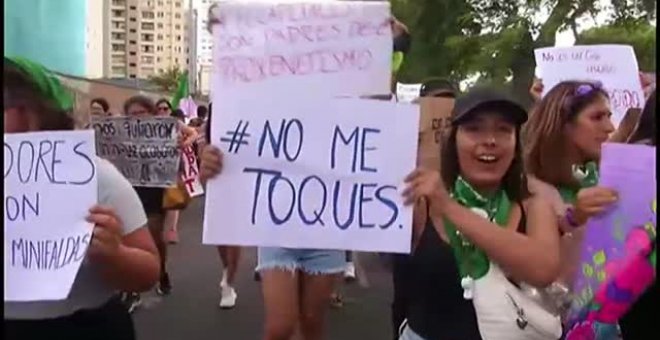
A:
x: 89, y: 289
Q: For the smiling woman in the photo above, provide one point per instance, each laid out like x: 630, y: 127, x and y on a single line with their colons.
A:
x: 483, y: 236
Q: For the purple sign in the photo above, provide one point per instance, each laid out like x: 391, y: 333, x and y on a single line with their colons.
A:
x: 617, y: 255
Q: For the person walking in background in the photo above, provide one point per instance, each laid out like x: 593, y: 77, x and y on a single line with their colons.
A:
x: 122, y: 255
x: 151, y: 197
x: 230, y: 256
x: 163, y: 107
x: 99, y: 107
x: 152, y: 201
x: 172, y: 215
x: 171, y: 220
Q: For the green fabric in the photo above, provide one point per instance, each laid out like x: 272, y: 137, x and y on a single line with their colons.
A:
x: 472, y: 261
x: 182, y: 90
x: 45, y: 81
x: 397, y: 61
x: 569, y: 195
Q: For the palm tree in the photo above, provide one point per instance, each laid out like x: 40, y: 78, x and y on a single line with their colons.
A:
x: 167, y: 81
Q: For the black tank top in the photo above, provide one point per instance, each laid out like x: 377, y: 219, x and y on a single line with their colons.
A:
x: 436, y: 309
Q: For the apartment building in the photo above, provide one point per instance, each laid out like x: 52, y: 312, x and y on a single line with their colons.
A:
x: 145, y: 37
x: 203, y: 46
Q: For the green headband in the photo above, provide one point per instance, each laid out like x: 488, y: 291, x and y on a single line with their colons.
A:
x: 49, y: 86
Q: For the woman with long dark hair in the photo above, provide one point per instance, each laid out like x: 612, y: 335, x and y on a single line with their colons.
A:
x: 484, y: 235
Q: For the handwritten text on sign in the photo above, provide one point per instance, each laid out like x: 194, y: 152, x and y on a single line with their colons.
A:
x: 190, y: 175
x: 614, y: 65
x: 46, y: 235
x: 145, y: 149
x: 313, y: 174
x: 288, y: 47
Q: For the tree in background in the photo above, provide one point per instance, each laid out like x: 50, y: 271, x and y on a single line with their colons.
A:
x: 167, y: 81
x: 494, y: 40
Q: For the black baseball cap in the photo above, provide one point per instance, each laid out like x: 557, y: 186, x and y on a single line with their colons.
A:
x: 481, y: 98
x: 436, y: 87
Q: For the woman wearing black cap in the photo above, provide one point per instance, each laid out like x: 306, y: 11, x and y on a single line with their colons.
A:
x: 494, y: 235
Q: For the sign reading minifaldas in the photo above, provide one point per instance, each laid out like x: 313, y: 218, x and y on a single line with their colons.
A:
x: 433, y: 127
x: 310, y: 173
x: 613, y: 65
x: 144, y: 149
x: 50, y: 185
x: 285, y: 48
x: 190, y: 174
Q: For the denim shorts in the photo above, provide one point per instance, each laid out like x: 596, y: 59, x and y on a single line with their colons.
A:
x: 309, y: 261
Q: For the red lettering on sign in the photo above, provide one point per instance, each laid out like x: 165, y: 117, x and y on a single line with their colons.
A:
x: 250, y: 69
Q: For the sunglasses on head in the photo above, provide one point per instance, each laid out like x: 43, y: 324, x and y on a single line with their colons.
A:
x: 587, y: 88
x: 582, y: 91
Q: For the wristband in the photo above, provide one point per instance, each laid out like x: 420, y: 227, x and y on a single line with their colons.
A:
x: 570, y: 218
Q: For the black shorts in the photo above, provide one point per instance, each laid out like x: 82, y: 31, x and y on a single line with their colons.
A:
x: 152, y: 199
x: 108, y: 322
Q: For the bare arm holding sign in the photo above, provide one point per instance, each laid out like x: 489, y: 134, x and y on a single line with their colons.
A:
x: 532, y: 257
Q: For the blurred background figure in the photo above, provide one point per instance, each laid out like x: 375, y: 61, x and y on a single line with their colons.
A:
x: 99, y: 107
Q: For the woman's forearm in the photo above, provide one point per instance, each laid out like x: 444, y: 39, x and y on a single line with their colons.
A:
x: 519, y: 255
x: 132, y: 270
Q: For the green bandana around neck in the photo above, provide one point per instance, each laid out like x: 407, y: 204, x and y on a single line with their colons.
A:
x: 45, y: 81
x: 587, y: 177
x: 472, y: 261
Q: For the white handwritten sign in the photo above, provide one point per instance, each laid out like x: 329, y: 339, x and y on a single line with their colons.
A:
x: 190, y: 175
x: 50, y: 184
x: 321, y: 174
x: 407, y: 93
x: 285, y: 48
x: 144, y: 149
x: 613, y: 65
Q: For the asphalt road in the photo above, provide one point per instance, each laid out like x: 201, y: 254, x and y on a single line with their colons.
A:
x: 191, y: 312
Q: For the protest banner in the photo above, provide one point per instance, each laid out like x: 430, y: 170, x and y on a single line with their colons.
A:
x: 144, y: 149
x: 321, y: 174
x: 50, y: 185
x: 434, y: 122
x: 613, y: 65
x: 407, y: 93
x: 617, y: 261
x: 284, y: 48
x: 190, y: 175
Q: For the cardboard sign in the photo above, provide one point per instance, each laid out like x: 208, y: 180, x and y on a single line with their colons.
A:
x: 433, y: 124
x: 613, y: 65
x: 313, y: 174
x: 50, y: 185
x: 144, y: 149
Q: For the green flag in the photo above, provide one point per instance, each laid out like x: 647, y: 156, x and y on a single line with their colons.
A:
x: 182, y: 90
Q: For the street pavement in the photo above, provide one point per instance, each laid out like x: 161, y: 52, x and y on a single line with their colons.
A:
x: 191, y: 312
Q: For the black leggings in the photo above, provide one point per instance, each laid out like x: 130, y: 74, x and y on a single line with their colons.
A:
x: 108, y: 322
